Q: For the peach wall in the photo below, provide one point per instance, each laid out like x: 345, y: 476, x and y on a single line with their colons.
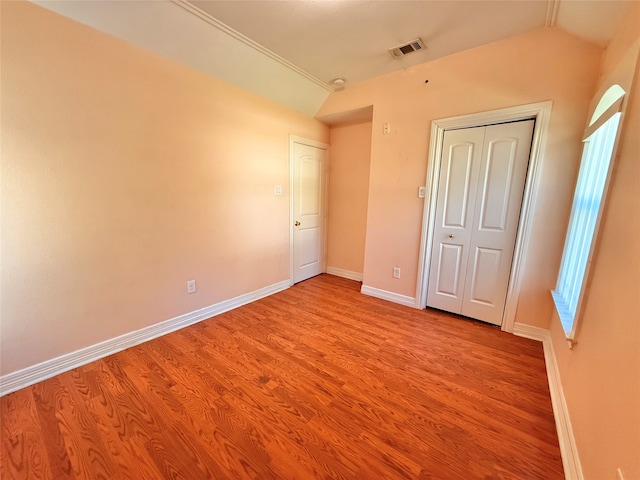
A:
x: 539, y: 66
x: 601, y: 375
x: 348, y: 195
x: 124, y: 175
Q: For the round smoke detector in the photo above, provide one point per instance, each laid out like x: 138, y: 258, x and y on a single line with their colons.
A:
x: 338, y: 82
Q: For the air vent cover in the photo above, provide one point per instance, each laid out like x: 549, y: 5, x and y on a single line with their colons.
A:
x: 405, y: 48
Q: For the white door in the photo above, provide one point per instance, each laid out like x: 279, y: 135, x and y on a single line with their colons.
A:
x: 482, y: 176
x: 308, y: 210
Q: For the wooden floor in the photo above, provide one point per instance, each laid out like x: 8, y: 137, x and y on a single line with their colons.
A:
x: 317, y: 381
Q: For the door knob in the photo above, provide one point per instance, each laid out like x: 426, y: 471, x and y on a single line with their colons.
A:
x: 451, y: 235
x: 297, y: 224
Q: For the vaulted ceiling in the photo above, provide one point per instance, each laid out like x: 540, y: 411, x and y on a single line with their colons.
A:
x: 290, y: 50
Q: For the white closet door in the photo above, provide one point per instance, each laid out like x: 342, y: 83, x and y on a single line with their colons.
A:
x: 459, y: 172
x: 498, y: 201
x: 470, y: 265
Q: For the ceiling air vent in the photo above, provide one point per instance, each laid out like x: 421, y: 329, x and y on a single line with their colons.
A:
x: 402, y: 50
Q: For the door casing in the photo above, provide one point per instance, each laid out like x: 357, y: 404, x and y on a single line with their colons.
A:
x: 542, y: 113
x: 312, y: 143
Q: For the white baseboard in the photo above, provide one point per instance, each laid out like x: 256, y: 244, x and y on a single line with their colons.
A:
x: 339, y: 272
x: 568, y: 447
x: 50, y: 368
x: 529, y: 331
x: 390, y: 296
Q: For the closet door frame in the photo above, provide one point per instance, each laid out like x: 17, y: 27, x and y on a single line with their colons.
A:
x: 541, y: 112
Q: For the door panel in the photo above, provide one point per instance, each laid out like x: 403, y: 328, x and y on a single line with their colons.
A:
x: 458, y: 177
x: 462, y: 152
x: 449, y: 266
x: 486, y: 263
x: 483, y: 171
x: 308, y: 211
x: 310, y: 179
x: 498, y: 176
x: 309, y: 247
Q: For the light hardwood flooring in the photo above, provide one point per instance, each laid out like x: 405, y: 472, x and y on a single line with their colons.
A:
x: 318, y: 381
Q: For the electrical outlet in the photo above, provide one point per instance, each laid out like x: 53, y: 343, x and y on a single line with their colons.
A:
x: 277, y: 190
x: 191, y: 286
x: 396, y: 272
x: 386, y: 128
x: 421, y: 192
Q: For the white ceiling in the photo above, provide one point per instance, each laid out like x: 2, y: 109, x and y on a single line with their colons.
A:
x: 350, y: 38
x: 289, y: 50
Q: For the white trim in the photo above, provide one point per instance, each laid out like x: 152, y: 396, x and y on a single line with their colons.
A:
x: 568, y: 448
x: 529, y: 331
x: 389, y: 296
x: 312, y: 143
x: 552, y: 13
x: 223, y: 27
x: 306, y: 141
x: 55, y: 366
x: 542, y: 113
x: 339, y: 272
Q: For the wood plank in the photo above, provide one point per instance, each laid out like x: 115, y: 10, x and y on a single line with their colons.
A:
x: 317, y: 381
x: 25, y: 454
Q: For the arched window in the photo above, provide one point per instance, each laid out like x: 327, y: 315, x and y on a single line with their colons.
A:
x: 611, y: 98
x: 591, y: 187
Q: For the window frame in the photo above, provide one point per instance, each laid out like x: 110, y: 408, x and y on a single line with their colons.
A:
x: 609, y: 105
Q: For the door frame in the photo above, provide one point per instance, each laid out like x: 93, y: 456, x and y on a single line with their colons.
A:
x: 542, y: 113
x: 293, y: 139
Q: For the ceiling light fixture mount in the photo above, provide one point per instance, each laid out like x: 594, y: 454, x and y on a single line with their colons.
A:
x: 338, y: 83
